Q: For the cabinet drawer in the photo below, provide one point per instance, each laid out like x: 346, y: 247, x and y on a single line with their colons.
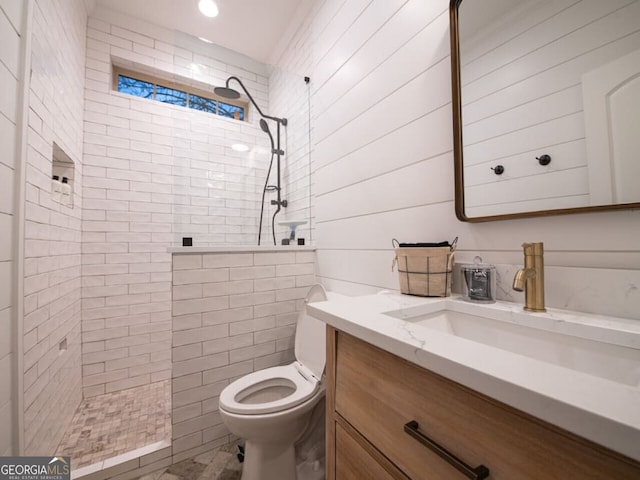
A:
x: 378, y: 393
x: 353, y: 461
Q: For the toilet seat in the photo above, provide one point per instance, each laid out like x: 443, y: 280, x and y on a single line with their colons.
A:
x: 288, y: 377
x: 282, y: 388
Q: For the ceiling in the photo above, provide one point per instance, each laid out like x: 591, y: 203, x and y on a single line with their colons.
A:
x: 251, y: 27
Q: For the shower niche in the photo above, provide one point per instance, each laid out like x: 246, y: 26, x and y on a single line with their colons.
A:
x: 62, y: 177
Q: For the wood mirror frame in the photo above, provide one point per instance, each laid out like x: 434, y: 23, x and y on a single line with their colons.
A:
x: 458, y: 144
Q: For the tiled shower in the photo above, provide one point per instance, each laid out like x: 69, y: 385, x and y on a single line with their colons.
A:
x: 98, y: 336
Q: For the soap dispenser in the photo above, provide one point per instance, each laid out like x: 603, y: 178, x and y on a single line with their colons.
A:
x: 56, y: 188
x: 479, y: 282
x: 65, y: 197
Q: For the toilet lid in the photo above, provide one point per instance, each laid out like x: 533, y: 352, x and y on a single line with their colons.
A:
x: 310, y: 348
x: 231, y: 398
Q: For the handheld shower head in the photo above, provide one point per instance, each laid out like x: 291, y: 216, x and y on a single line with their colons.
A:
x: 264, y: 126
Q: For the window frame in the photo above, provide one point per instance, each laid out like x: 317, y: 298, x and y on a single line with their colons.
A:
x: 190, y: 90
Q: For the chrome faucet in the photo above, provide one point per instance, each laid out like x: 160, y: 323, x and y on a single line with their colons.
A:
x: 531, y: 277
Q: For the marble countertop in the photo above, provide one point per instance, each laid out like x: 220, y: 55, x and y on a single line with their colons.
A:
x: 599, y: 409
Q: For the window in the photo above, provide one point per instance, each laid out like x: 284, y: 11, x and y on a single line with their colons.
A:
x: 215, y: 106
x: 135, y: 87
x: 202, y: 103
x: 170, y: 95
x: 227, y: 110
x: 145, y: 86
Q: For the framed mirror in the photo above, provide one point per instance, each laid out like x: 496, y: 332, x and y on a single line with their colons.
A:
x: 546, y: 106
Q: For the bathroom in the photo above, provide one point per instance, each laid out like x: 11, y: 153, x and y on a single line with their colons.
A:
x: 357, y: 168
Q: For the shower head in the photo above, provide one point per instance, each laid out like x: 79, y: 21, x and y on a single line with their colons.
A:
x: 264, y: 126
x: 230, y: 93
x: 226, y: 92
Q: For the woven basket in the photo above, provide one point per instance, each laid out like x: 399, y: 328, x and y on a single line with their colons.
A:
x: 425, y: 271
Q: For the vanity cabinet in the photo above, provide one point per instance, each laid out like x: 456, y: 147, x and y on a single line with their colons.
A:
x: 380, y: 408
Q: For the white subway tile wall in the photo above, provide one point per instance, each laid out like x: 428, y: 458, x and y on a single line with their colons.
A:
x: 10, y: 25
x: 232, y: 314
x: 52, y: 284
x: 154, y: 173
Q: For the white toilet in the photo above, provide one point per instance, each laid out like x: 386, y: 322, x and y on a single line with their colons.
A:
x: 271, y: 408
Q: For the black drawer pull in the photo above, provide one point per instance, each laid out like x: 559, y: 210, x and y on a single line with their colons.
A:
x: 478, y: 473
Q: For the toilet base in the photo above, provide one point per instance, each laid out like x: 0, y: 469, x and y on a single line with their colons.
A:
x: 311, y: 470
x: 269, y: 462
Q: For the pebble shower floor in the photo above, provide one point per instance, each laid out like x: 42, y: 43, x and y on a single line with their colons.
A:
x: 115, y: 423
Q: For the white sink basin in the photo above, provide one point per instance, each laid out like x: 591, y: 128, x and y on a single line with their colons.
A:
x: 566, y: 341
x: 578, y: 371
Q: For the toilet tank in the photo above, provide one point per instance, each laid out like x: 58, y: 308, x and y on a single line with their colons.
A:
x: 310, y: 349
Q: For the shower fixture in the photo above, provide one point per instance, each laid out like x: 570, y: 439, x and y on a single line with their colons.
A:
x: 230, y: 93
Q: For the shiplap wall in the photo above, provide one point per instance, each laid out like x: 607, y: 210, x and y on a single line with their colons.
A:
x: 381, y: 136
x: 383, y: 164
x: 522, y: 96
x: 10, y: 26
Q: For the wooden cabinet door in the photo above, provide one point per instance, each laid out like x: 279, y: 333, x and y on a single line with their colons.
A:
x: 353, y: 462
x: 378, y: 394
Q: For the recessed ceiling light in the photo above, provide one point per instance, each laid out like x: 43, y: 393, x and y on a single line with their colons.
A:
x: 208, y: 8
x: 239, y: 147
x: 205, y: 40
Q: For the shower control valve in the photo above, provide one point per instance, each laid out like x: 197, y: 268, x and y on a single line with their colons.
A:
x: 282, y: 203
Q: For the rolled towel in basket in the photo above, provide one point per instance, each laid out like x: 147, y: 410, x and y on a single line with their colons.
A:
x: 439, y: 244
x: 397, y: 244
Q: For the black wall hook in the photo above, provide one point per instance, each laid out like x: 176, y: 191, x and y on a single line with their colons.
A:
x: 498, y: 169
x: 544, y: 159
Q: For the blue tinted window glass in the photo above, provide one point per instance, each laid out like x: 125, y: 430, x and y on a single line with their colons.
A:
x: 226, y: 110
x: 135, y: 87
x: 150, y: 90
x: 203, y: 104
x: 169, y: 95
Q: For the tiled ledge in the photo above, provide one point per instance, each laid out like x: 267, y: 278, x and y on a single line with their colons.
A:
x: 129, y: 465
x: 243, y: 248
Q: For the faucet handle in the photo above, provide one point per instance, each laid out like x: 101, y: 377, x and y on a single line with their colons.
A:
x: 536, y: 248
